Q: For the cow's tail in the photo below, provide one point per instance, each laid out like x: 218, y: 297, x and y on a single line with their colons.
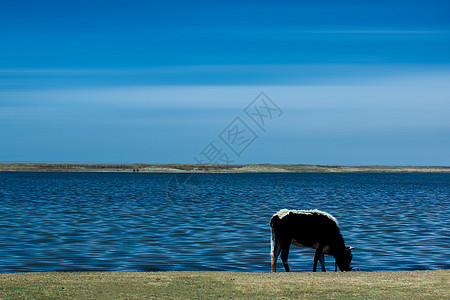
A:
x: 273, y: 243
x: 272, y: 239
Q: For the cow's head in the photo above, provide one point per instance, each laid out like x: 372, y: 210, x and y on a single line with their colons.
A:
x: 344, y: 259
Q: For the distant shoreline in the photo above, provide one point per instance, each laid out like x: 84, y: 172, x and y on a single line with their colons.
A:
x: 214, y: 168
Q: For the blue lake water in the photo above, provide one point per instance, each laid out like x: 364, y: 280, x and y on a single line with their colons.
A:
x: 159, y: 222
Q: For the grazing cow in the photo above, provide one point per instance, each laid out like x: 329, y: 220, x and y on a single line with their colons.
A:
x: 309, y: 229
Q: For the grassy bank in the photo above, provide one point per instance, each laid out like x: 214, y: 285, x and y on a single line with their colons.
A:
x: 208, y: 168
x: 225, y: 285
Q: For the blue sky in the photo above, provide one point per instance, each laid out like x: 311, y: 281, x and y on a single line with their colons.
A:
x: 359, y: 82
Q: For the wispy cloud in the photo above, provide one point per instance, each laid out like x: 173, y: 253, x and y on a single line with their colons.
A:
x: 375, y: 31
x: 145, y: 123
x: 214, y: 75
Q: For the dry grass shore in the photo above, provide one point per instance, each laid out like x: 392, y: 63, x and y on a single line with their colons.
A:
x: 226, y: 285
x: 209, y: 168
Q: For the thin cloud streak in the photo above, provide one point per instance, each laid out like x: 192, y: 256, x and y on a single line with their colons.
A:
x: 160, y: 121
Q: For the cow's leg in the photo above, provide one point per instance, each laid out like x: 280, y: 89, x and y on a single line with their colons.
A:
x: 322, y: 262
x: 317, y: 256
x: 285, y: 244
x: 275, y: 253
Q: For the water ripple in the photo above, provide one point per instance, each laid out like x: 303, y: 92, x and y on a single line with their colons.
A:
x: 158, y: 222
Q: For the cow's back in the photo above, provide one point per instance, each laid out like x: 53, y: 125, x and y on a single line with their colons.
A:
x: 306, y: 227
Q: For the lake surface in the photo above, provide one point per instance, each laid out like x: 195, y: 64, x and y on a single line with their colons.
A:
x: 162, y: 222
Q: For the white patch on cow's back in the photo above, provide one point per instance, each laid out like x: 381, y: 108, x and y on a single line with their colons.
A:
x: 284, y: 212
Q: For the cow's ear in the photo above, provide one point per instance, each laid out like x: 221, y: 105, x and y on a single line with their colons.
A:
x: 351, y: 248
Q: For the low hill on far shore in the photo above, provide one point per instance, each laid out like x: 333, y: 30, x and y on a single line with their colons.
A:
x: 210, y: 168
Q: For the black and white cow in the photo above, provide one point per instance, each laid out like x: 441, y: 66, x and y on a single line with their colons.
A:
x: 309, y: 229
